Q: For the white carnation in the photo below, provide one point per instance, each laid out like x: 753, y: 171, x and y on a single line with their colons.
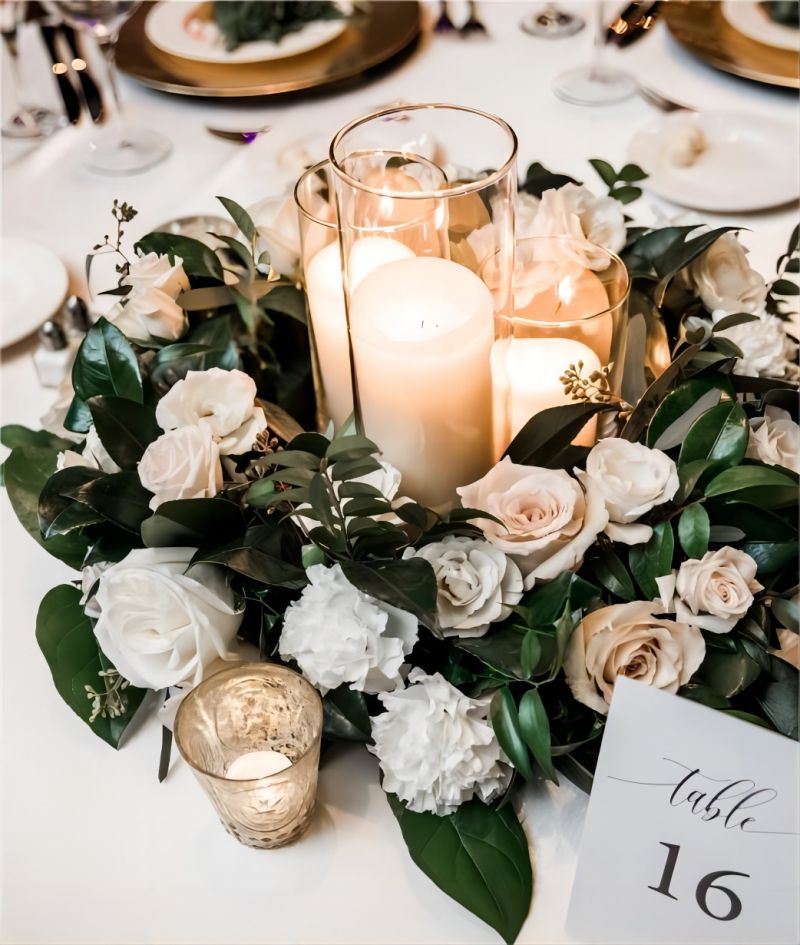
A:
x: 775, y: 439
x: 476, y: 583
x: 436, y: 747
x: 337, y: 634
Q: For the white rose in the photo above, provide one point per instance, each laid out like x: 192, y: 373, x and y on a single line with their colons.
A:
x: 476, y: 583
x: 159, y: 624
x: 278, y: 230
x: 223, y: 401
x: 775, y: 439
x: 53, y: 419
x: 548, y: 520
x: 723, y: 279
x: 154, y: 271
x: 713, y: 592
x: 436, y: 747
x: 767, y: 350
x: 630, y: 640
x: 574, y: 211
x: 150, y: 308
x: 526, y: 208
x: 337, y: 634
x: 181, y: 464
x: 632, y: 479
x: 94, y: 455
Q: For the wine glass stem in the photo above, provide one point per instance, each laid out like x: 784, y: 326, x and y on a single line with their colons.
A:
x: 599, y: 38
x: 10, y: 42
x: 108, y: 46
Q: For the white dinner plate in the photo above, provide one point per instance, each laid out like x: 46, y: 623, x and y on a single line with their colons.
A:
x: 33, y: 284
x: 174, y: 28
x: 752, y: 20
x: 748, y: 162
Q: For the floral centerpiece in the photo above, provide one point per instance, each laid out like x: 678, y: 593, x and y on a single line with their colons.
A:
x: 471, y: 651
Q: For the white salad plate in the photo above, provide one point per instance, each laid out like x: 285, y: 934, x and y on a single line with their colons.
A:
x: 33, y: 284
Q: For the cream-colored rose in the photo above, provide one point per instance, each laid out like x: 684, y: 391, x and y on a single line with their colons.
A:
x: 548, y: 519
x: 181, y: 464
x: 224, y: 401
x: 767, y: 349
x: 278, y: 233
x: 592, y: 221
x: 630, y: 640
x: 723, y: 279
x: 713, y: 592
x: 775, y: 439
x: 632, y: 479
x: 150, y: 309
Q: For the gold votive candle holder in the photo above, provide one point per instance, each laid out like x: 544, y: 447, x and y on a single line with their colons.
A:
x: 254, y: 711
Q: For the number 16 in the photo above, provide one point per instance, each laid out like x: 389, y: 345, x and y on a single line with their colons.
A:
x: 709, y: 881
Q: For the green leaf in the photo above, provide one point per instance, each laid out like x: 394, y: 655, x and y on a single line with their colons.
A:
x: 759, y: 485
x: 173, y: 362
x: 777, y: 694
x: 632, y: 173
x: 477, y: 856
x: 346, y: 717
x: 120, y: 498
x: 693, y: 530
x: 545, y: 603
x: 192, y: 523
x: 728, y: 672
x: 787, y: 613
x: 259, y: 555
x: 613, y: 574
x: 547, y: 434
x: 500, y: 650
x: 653, y: 559
x: 353, y: 468
x: 240, y: 217
x: 106, y: 365
x: 125, y: 428
x: 58, y: 493
x: 626, y: 195
x: 530, y: 653
x: 350, y: 447
x: 198, y: 259
x: 409, y: 585
x: 538, y: 179
x: 680, y: 408
x: 771, y: 556
x: 535, y: 727
x: 13, y: 435
x: 730, y: 321
x: 79, y: 417
x: 506, y: 724
x: 784, y: 287
x: 681, y: 253
x: 26, y: 472
x: 607, y: 173
x: 65, y: 636
x: 688, y: 477
x: 720, y: 435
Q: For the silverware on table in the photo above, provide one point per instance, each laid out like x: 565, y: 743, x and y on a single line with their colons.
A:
x: 90, y: 89
x: 473, y: 25
x: 444, y: 24
x: 661, y: 101
x: 246, y: 136
x: 72, y: 102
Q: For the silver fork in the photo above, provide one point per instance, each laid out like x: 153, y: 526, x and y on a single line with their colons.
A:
x: 662, y: 102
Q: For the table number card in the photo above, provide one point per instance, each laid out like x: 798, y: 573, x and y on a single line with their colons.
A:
x: 693, y: 829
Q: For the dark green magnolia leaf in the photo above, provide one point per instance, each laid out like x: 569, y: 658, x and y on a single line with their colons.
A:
x: 749, y: 717
x: 535, y: 728
x: 106, y: 365
x: 705, y: 695
x: 538, y: 179
x: 198, y: 259
x: 192, y: 523
x: 65, y: 636
x: 26, y: 472
x: 571, y: 768
x: 777, y: 694
x: 13, y: 435
x: 546, y: 603
x: 694, y: 530
x: 409, y: 585
x: 787, y: 613
x: 346, y: 717
x: 730, y: 321
x: 240, y: 252
x: 125, y: 428
x: 720, y: 435
x: 506, y: 724
x: 174, y: 362
x: 680, y: 408
x: 771, y: 556
x: 550, y: 431
x: 287, y: 300
x: 240, y: 217
x: 58, y: 493
x: 260, y: 555
x: 688, y: 476
x: 120, y: 498
x: 477, y: 856
x: 728, y: 672
x: 725, y: 534
x: 75, y: 516
x: 759, y: 485
x: 79, y: 417
x: 500, y: 650
x: 750, y: 521
x: 683, y: 252
x: 613, y: 575
x: 653, y: 559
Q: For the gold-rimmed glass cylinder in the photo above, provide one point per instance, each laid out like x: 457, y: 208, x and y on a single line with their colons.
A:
x: 248, y: 708
x: 425, y: 199
x: 569, y: 310
x: 322, y: 282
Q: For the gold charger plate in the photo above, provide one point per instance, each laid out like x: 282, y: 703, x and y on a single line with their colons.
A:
x: 376, y: 32
x: 701, y: 27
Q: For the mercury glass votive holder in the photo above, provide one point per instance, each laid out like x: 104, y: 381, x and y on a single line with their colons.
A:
x: 254, y: 707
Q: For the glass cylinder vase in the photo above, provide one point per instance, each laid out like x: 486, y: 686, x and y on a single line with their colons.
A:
x: 322, y: 282
x: 425, y: 198
x: 251, y: 735
x: 562, y: 339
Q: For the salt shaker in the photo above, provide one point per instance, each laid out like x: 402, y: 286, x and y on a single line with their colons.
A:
x: 53, y: 357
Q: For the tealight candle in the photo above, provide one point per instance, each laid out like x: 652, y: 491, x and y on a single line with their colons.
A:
x: 256, y: 764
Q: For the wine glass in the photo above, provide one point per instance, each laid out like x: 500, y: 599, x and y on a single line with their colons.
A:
x: 118, y: 149
x: 597, y: 83
x: 551, y: 23
x: 28, y: 121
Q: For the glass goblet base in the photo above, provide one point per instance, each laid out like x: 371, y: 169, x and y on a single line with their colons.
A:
x: 128, y: 152
x: 32, y: 123
x: 552, y: 23
x: 594, y: 85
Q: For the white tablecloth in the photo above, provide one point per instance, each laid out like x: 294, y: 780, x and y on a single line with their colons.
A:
x: 93, y: 848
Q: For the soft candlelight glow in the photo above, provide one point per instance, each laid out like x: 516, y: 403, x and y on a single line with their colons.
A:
x: 417, y: 223
x: 421, y: 332
x: 256, y: 764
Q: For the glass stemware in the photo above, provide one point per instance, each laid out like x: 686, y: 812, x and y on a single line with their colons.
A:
x: 28, y: 121
x: 597, y: 83
x: 118, y: 149
x: 551, y: 23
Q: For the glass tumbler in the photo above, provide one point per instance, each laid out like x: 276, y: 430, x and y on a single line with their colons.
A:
x: 254, y: 707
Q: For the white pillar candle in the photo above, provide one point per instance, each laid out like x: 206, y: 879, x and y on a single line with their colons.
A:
x: 256, y: 764
x: 527, y: 374
x: 325, y: 294
x: 422, y: 333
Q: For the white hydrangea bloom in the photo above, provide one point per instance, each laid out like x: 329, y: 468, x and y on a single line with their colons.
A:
x: 436, y: 747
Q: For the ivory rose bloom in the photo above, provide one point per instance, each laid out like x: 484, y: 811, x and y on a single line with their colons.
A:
x: 150, y: 308
x: 767, y: 350
x: 775, y: 439
x: 222, y: 401
x: 161, y: 625
x: 548, y: 520
x: 630, y: 640
x: 94, y: 455
x: 436, y: 747
x: 723, y: 279
x: 573, y: 210
x: 476, y: 583
x: 337, y: 634
x: 713, y: 592
x: 631, y: 479
x: 181, y: 464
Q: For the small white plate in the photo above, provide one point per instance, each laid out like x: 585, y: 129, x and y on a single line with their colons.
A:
x: 33, y: 284
x: 748, y: 162
x: 171, y: 27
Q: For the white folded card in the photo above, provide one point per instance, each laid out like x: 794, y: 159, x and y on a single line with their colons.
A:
x: 693, y: 828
